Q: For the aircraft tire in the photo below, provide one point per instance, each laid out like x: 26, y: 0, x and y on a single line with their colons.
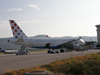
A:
x: 51, y: 52
x: 48, y: 52
x: 61, y: 50
x: 16, y: 53
x: 57, y: 52
x: 77, y: 50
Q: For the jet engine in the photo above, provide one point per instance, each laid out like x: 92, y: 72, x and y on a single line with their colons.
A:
x: 74, y: 46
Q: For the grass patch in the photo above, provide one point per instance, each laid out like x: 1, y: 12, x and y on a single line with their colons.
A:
x: 39, y: 51
x: 31, y: 51
x: 1, y: 53
x: 79, y: 65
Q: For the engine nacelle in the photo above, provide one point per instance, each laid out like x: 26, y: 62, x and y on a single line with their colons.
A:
x: 75, y: 46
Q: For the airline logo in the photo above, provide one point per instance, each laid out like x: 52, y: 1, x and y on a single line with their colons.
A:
x: 17, y: 32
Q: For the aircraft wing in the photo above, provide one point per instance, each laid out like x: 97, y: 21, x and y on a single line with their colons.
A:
x: 69, y: 42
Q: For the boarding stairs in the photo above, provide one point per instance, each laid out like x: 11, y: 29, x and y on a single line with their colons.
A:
x: 20, y: 51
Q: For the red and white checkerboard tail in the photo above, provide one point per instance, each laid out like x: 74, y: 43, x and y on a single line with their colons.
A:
x: 16, y: 30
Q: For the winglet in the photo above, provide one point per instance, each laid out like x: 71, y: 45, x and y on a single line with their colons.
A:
x: 79, y: 38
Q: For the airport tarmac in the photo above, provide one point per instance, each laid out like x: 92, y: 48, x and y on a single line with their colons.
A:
x: 11, y: 61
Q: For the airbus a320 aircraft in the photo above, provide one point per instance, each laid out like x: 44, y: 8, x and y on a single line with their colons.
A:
x: 51, y: 43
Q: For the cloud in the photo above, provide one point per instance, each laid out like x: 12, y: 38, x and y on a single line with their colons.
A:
x: 82, y: 8
x: 34, y: 6
x: 35, y: 21
x: 44, y: 14
x: 15, y: 9
x: 4, y: 24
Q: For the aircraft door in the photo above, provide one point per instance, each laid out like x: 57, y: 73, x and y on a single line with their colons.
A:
x: 31, y: 43
x: 47, y: 45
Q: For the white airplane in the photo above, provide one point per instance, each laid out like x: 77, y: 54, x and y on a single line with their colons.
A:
x: 13, y: 51
x: 9, y: 51
x: 50, y: 43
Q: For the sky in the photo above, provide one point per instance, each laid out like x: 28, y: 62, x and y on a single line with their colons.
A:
x: 55, y: 18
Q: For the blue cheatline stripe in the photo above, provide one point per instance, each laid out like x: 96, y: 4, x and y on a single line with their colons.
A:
x: 81, y: 45
x: 54, y: 47
x: 49, y: 47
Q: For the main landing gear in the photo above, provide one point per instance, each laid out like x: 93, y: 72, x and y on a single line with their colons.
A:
x: 53, y: 51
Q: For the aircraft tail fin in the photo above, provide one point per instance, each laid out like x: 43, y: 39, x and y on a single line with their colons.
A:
x: 16, y: 30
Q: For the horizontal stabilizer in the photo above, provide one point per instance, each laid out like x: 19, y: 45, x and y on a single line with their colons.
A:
x: 20, y: 40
